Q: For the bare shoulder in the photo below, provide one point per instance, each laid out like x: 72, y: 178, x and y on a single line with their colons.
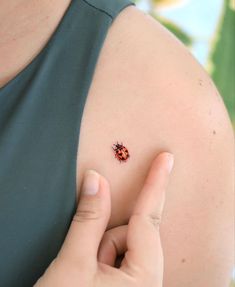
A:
x: 151, y: 94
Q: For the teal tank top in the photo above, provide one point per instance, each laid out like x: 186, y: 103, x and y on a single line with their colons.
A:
x: 40, y: 116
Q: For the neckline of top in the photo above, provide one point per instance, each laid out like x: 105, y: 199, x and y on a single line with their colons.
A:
x: 41, y: 52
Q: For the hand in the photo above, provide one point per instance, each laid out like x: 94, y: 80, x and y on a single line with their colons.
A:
x: 87, y: 257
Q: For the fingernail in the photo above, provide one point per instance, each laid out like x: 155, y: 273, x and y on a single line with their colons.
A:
x: 91, y: 182
x: 170, y: 162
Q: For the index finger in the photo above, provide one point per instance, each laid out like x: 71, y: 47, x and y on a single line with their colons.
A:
x: 144, y: 249
x: 151, y: 199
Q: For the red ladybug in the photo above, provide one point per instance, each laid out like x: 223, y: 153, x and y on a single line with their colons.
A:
x: 121, y: 152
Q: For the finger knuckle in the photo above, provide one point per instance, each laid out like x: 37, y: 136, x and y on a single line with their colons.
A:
x: 82, y: 215
x: 109, y: 239
x: 155, y: 219
x: 145, y: 277
x: 106, y: 237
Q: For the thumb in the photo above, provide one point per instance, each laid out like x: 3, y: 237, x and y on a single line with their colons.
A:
x: 90, y: 220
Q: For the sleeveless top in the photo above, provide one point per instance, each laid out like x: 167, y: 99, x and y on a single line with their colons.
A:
x: 40, y: 116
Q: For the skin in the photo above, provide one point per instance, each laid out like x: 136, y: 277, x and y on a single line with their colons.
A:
x: 25, y: 27
x: 165, y: 101
x: 77, y: 263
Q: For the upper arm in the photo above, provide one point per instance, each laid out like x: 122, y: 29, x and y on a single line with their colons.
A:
x: 154, y: 96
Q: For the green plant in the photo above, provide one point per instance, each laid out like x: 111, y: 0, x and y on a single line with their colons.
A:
x: 222, y: 58
x: 232, y: 284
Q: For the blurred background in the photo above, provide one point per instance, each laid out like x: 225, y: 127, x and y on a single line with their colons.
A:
x: 207, y: 28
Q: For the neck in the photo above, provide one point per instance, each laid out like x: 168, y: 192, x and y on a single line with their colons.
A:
x: 20, y: 17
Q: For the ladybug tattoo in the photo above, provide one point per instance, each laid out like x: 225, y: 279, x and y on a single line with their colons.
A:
x: 121, y: 152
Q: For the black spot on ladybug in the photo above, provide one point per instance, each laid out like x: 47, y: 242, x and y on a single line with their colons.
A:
x: 121, y: 152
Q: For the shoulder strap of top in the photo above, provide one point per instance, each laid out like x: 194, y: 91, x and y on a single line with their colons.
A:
x: 110, y: 7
